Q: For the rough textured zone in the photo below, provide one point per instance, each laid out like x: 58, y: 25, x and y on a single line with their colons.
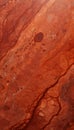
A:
x: 36, y: 64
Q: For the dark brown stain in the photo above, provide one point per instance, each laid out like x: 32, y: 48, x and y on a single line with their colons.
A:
x: 65, y: 90
x: 38, y: 37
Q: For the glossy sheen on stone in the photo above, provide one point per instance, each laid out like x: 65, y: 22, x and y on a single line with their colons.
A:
x: 36, y: 64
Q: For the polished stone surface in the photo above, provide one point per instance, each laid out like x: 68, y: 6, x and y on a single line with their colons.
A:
x: 36, y: 64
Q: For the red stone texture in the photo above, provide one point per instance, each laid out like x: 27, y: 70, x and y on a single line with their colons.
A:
x: 36, y: 64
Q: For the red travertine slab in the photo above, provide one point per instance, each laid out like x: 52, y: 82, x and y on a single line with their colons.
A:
x: 36, y: 64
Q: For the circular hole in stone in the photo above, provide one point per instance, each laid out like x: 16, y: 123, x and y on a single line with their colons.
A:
x: 38, y: 37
